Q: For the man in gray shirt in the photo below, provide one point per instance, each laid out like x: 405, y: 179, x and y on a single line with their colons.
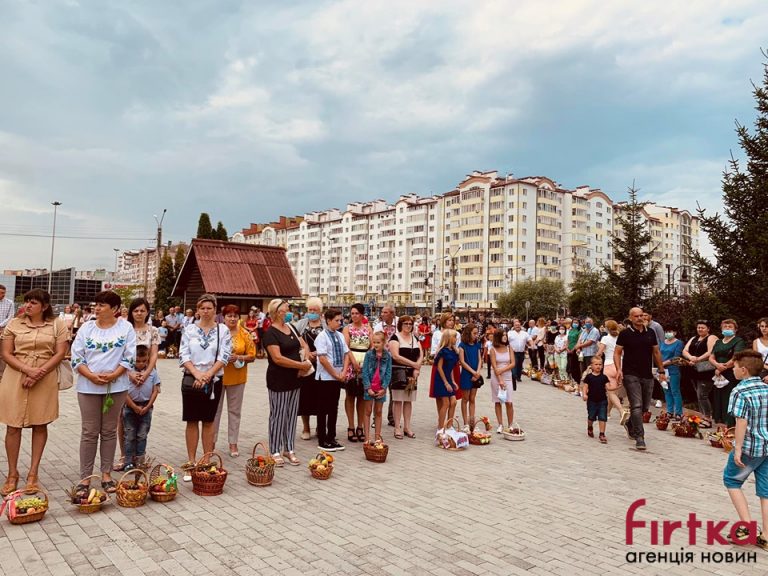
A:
x: 6, y: 315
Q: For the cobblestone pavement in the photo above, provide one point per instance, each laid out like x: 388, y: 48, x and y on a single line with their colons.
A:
x: 553, y: 504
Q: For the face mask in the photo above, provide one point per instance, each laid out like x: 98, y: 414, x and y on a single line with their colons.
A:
x: 313, y: 316
x: 728, y: 333
x: 669, y: 335
x: 561, y: 331
x: 576, y: 326
x: 288, y: 316
x: 588, y: 326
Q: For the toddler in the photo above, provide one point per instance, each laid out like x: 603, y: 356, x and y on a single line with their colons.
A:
x: 593, y: 392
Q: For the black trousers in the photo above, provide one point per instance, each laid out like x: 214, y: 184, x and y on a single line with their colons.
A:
x: 534, y: 356
x: 328, y: 411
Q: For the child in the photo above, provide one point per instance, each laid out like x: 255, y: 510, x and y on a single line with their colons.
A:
x: 377, y: 373
x: 137, y: 412
x: 444, y: 388
x: 163, y: 333
x: 470, y: 354
x: 561, y: 353
x: 593, y: 392
x: 749, y: 405
x: 502, y: 362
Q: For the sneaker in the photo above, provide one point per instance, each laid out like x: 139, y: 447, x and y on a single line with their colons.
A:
x: 761, y: 541
x: 326, y: 447
x: 465, y: 429
x: 628, y: 429
x: 741, y: 535
x: 187, y: 476
x: 336, y: 446
x: 590, y: 432
x: 500, y: 429
x: 658, y: 403
x: 640, y: 444
x: 624, y: 417
x: 128, y: 467
x: 603, y: 439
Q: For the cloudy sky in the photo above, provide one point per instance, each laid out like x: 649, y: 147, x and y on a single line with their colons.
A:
x: 251, y: 110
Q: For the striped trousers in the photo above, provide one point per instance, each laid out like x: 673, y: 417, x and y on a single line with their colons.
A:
x: 283, y: 411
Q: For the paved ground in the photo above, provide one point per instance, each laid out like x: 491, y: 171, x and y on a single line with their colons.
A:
x: 554, y: 504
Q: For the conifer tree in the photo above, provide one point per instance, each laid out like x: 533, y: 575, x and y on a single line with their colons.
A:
x: 204, y: 228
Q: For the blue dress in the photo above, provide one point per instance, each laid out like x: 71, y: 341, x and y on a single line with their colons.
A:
x: 471, y: 357
x: 450, y: 359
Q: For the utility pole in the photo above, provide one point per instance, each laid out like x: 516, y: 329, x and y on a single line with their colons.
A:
x: 159, y: 243
x: 53, y: 242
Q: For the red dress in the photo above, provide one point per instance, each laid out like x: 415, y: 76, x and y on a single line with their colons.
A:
x: 426, y: 331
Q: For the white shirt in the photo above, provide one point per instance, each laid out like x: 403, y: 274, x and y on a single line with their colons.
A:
x: 103, y: 350
x: 6, y: 311
x: 561, y: 343
x: 610, y: 345
x: 518, y: 341
x: 324, y: 347
x: 437, y: 335
x: 200, y: 347
x: 388, y: 329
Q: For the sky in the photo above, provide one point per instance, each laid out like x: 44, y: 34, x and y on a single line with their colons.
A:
x: 249, y: 111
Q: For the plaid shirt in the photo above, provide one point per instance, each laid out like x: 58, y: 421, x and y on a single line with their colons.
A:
x: 6, y: 311
x: 749, y: 400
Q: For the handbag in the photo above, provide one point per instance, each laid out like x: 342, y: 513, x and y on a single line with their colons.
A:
x: 66, y: 375
x: 309, y: 371
x: 703, y: 366
x: 478, y: 383
x: 399, y: 378
x: 188, y: 380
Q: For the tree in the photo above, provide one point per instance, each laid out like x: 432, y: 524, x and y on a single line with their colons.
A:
x: 739, y: 238
x: 592, y: 294
x: 632, y: 248
x: 178, y: 261
x: 546, y: 296
x: 221, y: 233
x: 126, y: 293
x: 164, y: 284
x: 204, y: 228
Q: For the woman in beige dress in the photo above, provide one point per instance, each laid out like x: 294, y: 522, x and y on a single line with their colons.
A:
x: 33, y: 346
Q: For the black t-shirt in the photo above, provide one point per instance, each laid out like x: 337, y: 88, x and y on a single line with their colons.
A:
x: 282, y: 379
x: 638, y: 351
x: 596, y: 387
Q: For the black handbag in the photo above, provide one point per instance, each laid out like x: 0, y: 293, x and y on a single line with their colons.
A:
x: 478, y: 383
x: 188, y: 380
x: 399, y: 378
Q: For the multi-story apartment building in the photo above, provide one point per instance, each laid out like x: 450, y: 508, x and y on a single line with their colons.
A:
x: 139, y: 267
x: 465, y: 247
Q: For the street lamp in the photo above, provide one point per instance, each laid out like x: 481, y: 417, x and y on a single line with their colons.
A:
x: 53, y: 242
x: 671, y: 276
x: 117, y: 251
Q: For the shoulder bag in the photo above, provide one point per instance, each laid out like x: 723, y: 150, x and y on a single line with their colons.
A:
x: 311, y: 369
x: 188, y: 380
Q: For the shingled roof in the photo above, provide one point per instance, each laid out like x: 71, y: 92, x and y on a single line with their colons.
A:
x: 235, y: 269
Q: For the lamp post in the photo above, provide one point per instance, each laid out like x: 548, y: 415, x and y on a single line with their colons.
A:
x: 117, y: 251
x: 671, y: 276
x: 53, y: 243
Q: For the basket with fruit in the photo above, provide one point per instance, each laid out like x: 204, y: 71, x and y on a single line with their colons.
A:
x: 515, y: 433
x: 24, y: 508
x: 376, y: 451
x: 208, y: 479
x: 662, y: 420
x: 132, y: 493
x: 484, y: 422
x: 88, y: 500
x: 163, y: 485
x: 321, y: 466
x: 688, y: 427
x: 260, y: 468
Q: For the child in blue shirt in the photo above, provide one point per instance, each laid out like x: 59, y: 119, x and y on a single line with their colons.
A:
x: 137, y: 412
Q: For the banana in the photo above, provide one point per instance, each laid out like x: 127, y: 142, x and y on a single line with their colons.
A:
x: 92, y: 496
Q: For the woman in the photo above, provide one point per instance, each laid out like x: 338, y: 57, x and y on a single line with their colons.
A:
x: 425, y: 337
x: 205, y: 350
x: 77, y: 321
x: 760, y: 345
x: 252, y: 325
x: 722, y: 359
x: 470, y: 359
x: 406, y: 359
x: 68, y: 317
x: 574, y: 366
x: 671, y: 350
x: 605, y: 350
x: 697, y: 352
x: 146, y: 335
x: 540, y: 339
x: 309, y: 328
x: 235, y: 377
x: 124, y: 313
x: 33, y: 346
x: 502, y: 363
x: 284, y: 348
x: 158, y: 318
x: 358, y: 338
x: 102, y: 353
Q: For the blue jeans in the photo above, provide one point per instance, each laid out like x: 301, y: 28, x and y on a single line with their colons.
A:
x: 135, y: 432
x: 734, y: 477
x: 517, y: 371
x: 672, y: 395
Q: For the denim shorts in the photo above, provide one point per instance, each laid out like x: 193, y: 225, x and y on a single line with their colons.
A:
x: 597, y: 410
x: 734, y: 477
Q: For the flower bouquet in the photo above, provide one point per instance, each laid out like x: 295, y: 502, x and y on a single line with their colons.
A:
x: 688, y: 427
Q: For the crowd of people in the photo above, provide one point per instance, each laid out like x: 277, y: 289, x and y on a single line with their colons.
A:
x: 114, y: 350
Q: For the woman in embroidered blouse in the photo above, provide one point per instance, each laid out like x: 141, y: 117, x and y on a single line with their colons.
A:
x: 32, y: 347
x: 102, y: 353
x: 235, y: 377
x: 146, y: 335
x: 205, y: 350
x: 358, y: 338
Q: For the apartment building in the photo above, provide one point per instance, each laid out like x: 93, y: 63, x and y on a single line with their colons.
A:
x: 139, y: 267
x: 464, y: 247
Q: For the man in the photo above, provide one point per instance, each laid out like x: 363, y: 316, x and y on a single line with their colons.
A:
x: 636, y: 350
x: 532, y: 352
x: 587, y: 343
x: 189, y: 318
x: 173, y: 323
x: 387, y: 325
x: 519, y: 340
x: 90, y: 312
x: 6, y: 315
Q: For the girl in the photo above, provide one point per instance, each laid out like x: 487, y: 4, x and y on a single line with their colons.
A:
x: 443, y: 384
x: 470, y: 358
x: 561, y: 353
x: 376, y: 373
x: 502, y: 362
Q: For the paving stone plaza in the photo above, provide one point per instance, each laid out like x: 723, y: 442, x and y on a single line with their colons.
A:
x: 553, y: 504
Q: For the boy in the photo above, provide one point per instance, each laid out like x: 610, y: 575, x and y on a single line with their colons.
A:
x: 593, y: 392
x: 162, y: 332
x: 137, y: 412
x: 332, y: 363
x: 749, y: 405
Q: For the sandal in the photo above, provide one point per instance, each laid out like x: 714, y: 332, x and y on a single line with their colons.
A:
x: 306, y: 435
x: 109, y: 486
x: 119, y: 466
x: 409, y: 434
x: 279, y: 462
x: 398, y: 435
x: 291, y: 457
x: 10, y: 485
x: 32, y: 486
x: 351, y: 435
x: 705, y: 424
x: 360, y: 434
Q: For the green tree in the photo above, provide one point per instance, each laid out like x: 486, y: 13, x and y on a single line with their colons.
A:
x: 592, y: 294
x: 126, y: 293
x: 546, y: 296
x: 204, y: 228
x: 178, y: 261
x: 221, y: 233
x: 633, y: 249
x: 164, y: 284
x: 739, y: 238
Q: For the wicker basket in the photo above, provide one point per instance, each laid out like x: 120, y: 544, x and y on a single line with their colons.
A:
x: 376, y: 452
x: 129, y: 496
x: 260, y: 470
x: 322, y: 474
x: 94, y: 507
x: 448, y: 441
x: 515, y: 434
x: 685, y: 431
x: 484, y: 422
x: 727, y: 439
x: 14, y: 515
x: 165, y: 472
x: 203, y: 482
